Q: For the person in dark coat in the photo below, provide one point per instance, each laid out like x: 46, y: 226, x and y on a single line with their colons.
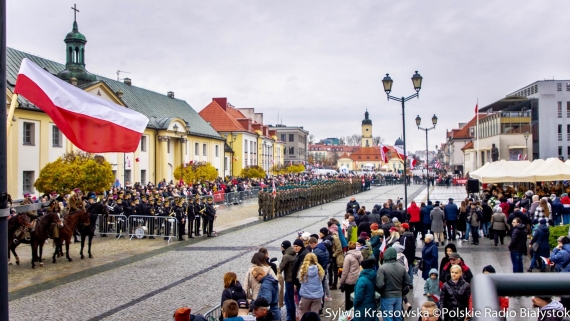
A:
x: 364, y: 293
x: 409, y: 242
x: 364, y: 225
x: 540, y: 236
x: 517, y: 213
x: 352, y: 206
x: 429, y: 256
x: 557, y: 210
x: 385, y: 211
x: 518, y: 247
x: 301, y: 251
x: 455, y: 295
x: 451, y: 213
x: 449, y: 248
x: 455, y: 259
x: 232, y: 288
x: 426, y: 218
x: 487, y: 212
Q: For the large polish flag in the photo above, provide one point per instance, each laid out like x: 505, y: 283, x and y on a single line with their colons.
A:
x: 92, y: 124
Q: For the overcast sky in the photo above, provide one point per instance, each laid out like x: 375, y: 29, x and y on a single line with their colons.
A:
x: 317, y: 64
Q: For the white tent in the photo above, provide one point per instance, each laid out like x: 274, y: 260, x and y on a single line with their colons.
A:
x: 504, y: 171
x: 551, y: 170
x: 567, y: 162
x: 477, y: 173
x: 520, y: 165
x: 537, y: 163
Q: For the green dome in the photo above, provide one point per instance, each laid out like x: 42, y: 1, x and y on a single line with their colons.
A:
x: 75, y: 35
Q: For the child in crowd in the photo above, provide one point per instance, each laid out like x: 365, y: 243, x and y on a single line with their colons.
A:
x: 431, y: 287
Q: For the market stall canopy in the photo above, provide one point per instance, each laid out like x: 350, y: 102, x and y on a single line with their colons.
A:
x: 551, y: 169
x: 477, y: 173
x: 537, y: 163
x: 503, y: 171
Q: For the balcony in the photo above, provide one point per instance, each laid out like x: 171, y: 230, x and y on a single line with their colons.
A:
x: 560, y: 136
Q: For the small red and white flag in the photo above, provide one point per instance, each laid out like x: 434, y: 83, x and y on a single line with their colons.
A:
x: 272, y: 161
x: 519, y: 157
x: 92, y: 124
x: 525, y: 158
x: 413, y: 163
x: 383, y: 246
x: 476, y: 108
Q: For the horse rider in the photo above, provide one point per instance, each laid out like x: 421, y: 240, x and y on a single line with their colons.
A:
x: 75, y: 202
x: 54, y: 208
x: 28, y: 201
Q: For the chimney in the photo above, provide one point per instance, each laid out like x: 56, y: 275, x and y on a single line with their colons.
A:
x: 171, y: 94
x: 119, y: 94
x: 73, y: 81
x: 223, y: 102
x: 127, y: 81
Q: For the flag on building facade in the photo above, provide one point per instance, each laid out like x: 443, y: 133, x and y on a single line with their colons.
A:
x: 92, y: 124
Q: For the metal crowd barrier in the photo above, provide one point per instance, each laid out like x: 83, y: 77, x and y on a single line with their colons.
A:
x: 232, y: 198
x: 141, y: 226
x: 214, y: 313
x: 114, y: 224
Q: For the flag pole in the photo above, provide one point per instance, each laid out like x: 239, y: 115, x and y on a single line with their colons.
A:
x: 11, y: 113
x: 4, y: 211
x: 477, y: 137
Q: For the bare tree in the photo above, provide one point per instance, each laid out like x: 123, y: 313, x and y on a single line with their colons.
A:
x: 377, y: 140
x: 342, y: 141
x: 311, y: 139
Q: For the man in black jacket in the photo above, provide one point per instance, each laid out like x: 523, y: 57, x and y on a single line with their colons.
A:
x: 409, y: 242
x: 301, y: 251
x: 518, y: 246
x: 352, y: 206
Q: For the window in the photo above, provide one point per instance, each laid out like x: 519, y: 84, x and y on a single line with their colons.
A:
x: 55, y: 136
x: 567, y: 132
x: 128, y: 176
x: 245, y: 146
x: 251, y: 147
x: 143, y: 176
x: 559, y: 86
x: 291, y: 150
x: 568, y: 86
x: 204, y: 149
x: 29, y: 133
x: 196, y: 149
x: 226, y: 162
x: 568, y: 109
x: 28, y: 181
x: 559, y: 150
x: 283, y: 137
x: 568, y: 152
x: 291, y: 137
x: 143, y: 143
x: 217, y: 151
x: 559, y: 109
x: 559, y: 132
x: 168, y: 146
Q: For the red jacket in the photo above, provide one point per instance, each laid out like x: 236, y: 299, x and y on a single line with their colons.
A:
x: 414, y: 212
x: 505, y: 207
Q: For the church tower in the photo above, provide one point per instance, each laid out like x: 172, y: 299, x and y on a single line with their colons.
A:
x: 75, y: 56
x: 367, y: 140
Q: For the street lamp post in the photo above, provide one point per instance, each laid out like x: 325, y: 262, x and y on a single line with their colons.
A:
x: 387, y: 83
x: 526, y: 142
x: 434, y: 122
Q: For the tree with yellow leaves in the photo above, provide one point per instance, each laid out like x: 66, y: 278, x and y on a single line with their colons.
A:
x: 81, y: 170
x: 195, y: 172
x: 252, y: 171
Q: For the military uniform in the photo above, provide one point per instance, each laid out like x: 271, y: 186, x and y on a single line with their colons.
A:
x: 191, y: 217
x: 210, y: 217
x: 198, y: 214
x: 181, y: 219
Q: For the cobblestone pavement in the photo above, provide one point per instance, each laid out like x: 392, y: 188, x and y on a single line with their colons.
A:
x: 151, y: 286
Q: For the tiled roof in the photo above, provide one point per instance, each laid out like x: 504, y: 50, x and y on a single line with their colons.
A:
x: 467, y: 146
x: 464, y: 133
x: 228, y: 119
x: 150, y: 103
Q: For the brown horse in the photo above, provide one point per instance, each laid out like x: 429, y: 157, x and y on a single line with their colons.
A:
x: 16, y: 228
x: 66, y: 232
x: 40, y: 234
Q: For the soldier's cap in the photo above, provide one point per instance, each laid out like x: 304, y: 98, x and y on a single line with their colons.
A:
x: 93, y: 196
x: 144, y: 197
x: 27, y: 195
x: 197, y: 196
x: 210, y: 199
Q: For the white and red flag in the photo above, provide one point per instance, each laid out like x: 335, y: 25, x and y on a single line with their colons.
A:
x: 274, y: 192
x: 383, y: 152
x: 92, y: 124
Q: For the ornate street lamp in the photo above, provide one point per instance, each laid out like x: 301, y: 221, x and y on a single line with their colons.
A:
x: 387, y: 82
x: 434, y: 122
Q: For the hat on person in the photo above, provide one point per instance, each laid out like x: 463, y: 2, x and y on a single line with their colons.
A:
x: 305, y: 236
x: 542, y: 221
x: 242, y: 304
x: 454, y: 255
x: 182, y: 314
x: 394, y: 219
x: 450, y: 199
x: 367, y: 264
x: 406, y: 226
x: 429, y: 202
x: 393, y: 228
x: 436, y: 203
x: 286, y: 244
x: 534, y: 221
x: 260, y: 302
x: 93, y: 196
x: 374, y: 226
x: 529, y: 194
x: 27, y: 195
x: 77, y: 190
x: 298, y: 242
x: 489, y: 268
x: 324, y: 231
x: 363, y: 235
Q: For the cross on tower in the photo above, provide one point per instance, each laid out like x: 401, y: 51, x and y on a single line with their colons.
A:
x: 75, y: 11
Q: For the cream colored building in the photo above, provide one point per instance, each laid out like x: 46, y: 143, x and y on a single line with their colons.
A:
x: 175, y: 133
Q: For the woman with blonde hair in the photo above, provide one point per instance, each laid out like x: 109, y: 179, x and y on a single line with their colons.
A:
x: 542, y: 210
x: 251, y: 285
x: 232, y: 288
x: 311, y: 275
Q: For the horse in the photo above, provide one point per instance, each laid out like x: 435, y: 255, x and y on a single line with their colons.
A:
x: 40, y: 234
x: 16, y: 226
x: 89, y: 231
x: 66, y: 232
